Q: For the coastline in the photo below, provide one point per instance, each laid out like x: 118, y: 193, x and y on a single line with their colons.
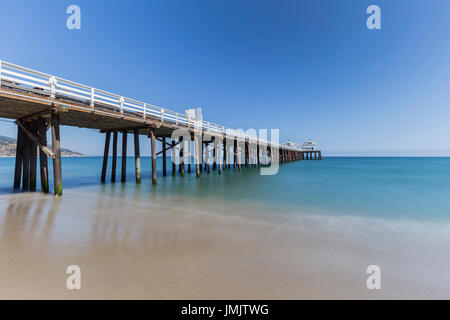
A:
x: 65, y: 156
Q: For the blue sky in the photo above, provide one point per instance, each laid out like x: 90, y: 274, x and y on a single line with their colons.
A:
x: 310, y: 68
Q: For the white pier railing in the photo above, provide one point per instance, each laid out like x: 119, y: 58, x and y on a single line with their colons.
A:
x: 35, y: 82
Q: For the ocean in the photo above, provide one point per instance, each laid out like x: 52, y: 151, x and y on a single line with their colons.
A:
x: 392, y: 188
x: 309, y: 231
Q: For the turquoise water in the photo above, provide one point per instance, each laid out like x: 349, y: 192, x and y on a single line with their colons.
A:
x: 394, y: 188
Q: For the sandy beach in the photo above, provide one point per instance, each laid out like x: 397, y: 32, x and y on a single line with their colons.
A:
x: 146, y: 249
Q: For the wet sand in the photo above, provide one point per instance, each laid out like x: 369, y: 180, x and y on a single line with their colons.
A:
x: 143, y: 247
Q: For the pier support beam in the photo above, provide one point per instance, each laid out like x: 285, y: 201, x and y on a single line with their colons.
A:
x: 320, y: 155
x: 114, y: 157
x: 153, y: 145
x: 219, y: 147
x: 26, y: 161
x: 174, y: 169
x: 214, y: 166
x: 239, y: 155
x: 234, y: 153
x: 201, y: 155
x: 33, y: 157
x: 43, y: 161
x: 257, y: 155
x: 105, y: 156
x: 182, y: 145
x: 189, y: 155
x: 198, y: 154
x: 207, y: 159
x: 56, y: 148
x: 225, y: 153
x: 164, y: 156
x: 247, y: 154
x: 124, y: 157
x: 137, y: 156
x: 19, y: 157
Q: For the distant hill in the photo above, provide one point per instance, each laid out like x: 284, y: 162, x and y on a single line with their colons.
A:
x: 6, y: 140
x: 8, y: 148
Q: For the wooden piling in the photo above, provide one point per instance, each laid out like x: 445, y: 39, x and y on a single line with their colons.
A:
x: 320, y: 155
x: 26, y: 161
x: 153, y: 145
x: 257, y: 156
x: 224, y: 154
x: 124, y: 157
x: 56, y: 148
x: 174, y: 169
x: 247, y: 154
x: 137, y: 156
x: 164, y: 156
x: 182, y: 145
x: 43, y: 161
x: 207, y: 159
x: 197, y: 141
x: 105, y: 156
x: 214, y: 166
x: 201, y: 155
x: 33, y: 157
x: 234, y: 153
x: 219, y: 166
x: 19, y: 157
x: 239, y: 155
x: 114, y: 157
x: 189, y: 154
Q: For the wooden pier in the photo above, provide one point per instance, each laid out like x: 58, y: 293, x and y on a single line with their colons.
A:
x: 39, y: 102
